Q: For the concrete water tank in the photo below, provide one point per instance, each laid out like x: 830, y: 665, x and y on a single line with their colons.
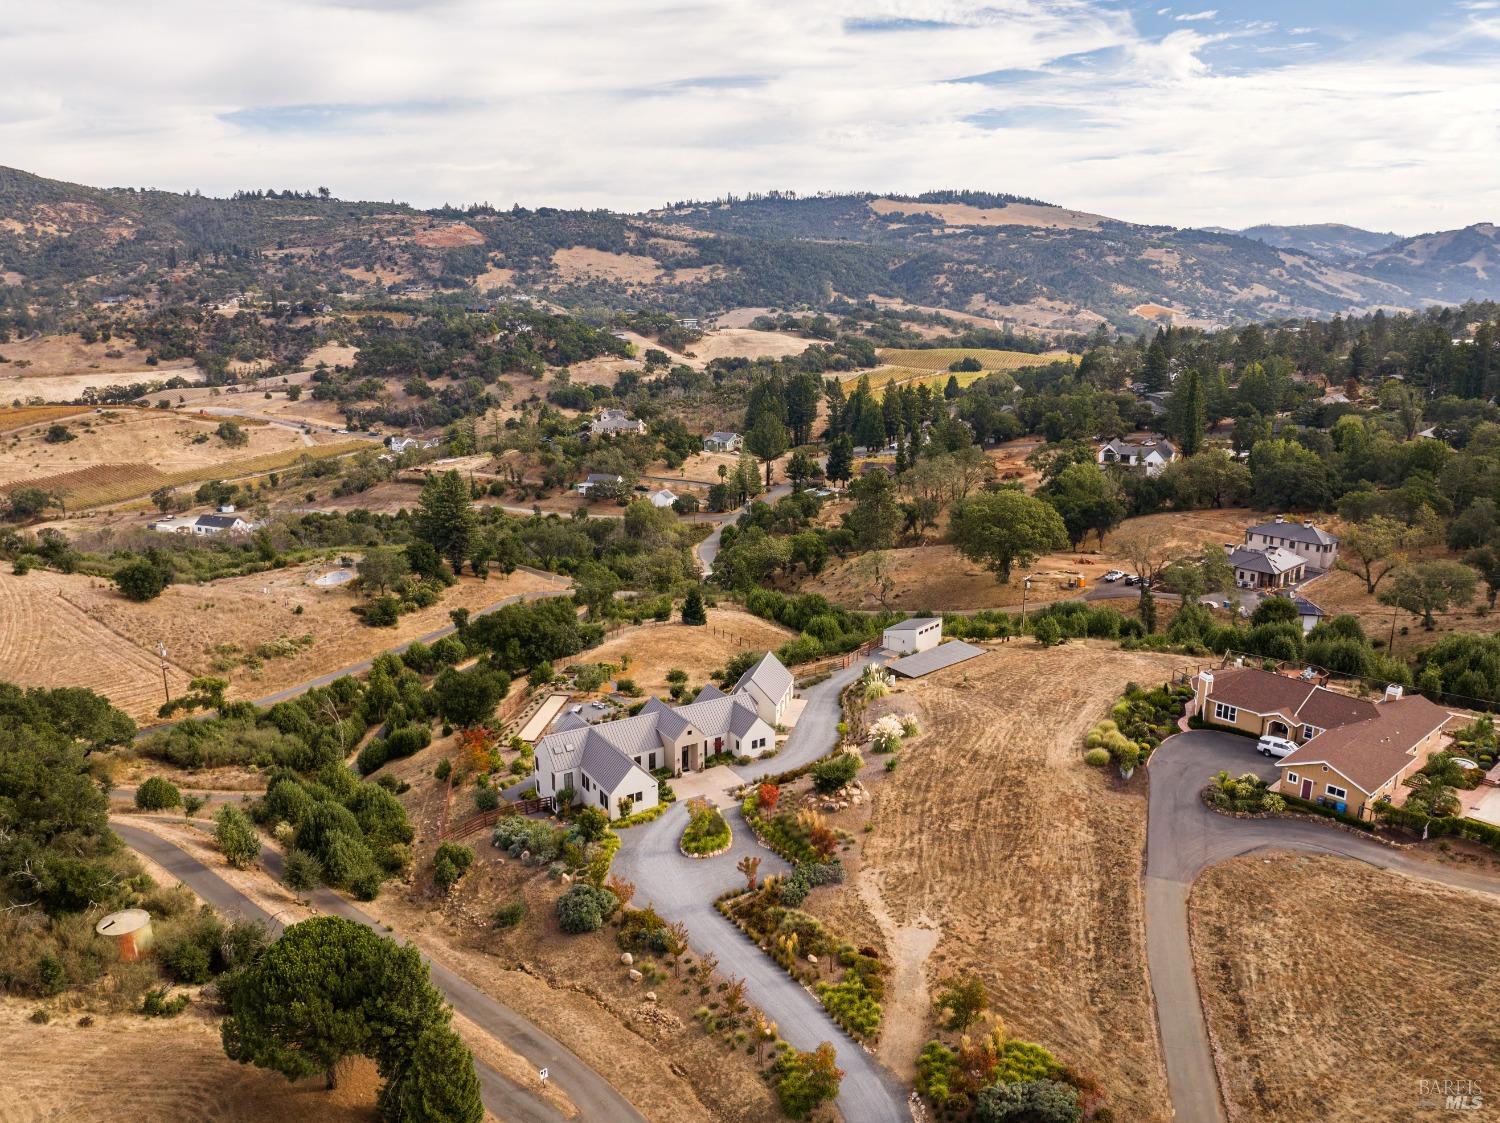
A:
x: 130, y: 929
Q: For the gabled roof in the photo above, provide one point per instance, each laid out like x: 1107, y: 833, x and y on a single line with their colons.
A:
x: 722, y: 437
x: 915, y: 624
x: 1275, y: 560
x: 1369, y: 753
x: 768, y: 676
x: 220, y: 522
x: 1263, y: 692
x: 1295, y: 532
x: 568, y: 722
x: 606, y: 768
x: 709, y: 691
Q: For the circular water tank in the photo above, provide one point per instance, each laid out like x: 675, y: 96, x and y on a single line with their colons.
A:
x: 130, y: 929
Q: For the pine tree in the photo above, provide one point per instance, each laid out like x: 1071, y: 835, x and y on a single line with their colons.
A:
x: 445, y: 518
x: 435, y: 1083
x: 693, y: 611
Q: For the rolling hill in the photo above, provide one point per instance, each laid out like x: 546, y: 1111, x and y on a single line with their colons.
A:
x: 997, y: 258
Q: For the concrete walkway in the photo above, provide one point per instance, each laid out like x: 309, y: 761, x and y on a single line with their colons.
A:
x: 1184, y: 838
x: 594, y: 1097
x: 682, y: 888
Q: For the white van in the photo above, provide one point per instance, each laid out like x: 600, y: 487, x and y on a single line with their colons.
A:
x: 1276, y: 746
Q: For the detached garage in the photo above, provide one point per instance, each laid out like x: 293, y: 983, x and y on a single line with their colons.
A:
x: 910, y: 636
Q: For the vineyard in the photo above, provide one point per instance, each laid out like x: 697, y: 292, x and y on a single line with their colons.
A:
x: 17, y: 417
x: 103, y: 484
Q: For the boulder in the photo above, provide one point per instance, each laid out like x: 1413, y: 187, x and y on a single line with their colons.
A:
x: 635, y: 976
x: 650, y: 996
x: 812, y: 959
x: 627, y: 959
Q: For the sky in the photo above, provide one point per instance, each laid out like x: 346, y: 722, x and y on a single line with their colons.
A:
x: 1378, y: 113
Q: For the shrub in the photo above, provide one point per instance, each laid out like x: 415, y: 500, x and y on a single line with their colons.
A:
x: 486, y: 799
x: 1096, y: 757
x: 804, y: 1081
x: 303, y: 870
x: 157, y: 794
x: 832, y: 774
x: 1034, y: 1101
x: 707, y: 831
x: 851, y: 1004
x: 156, y: 1004
x: 508, y: 916
x: 142, y: 579
x: 236, y: 837
x: 450, y: 864
x: 585, y: 908
x: 793, y: 889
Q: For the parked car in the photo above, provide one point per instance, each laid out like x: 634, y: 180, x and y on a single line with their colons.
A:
x: 1114, y: 575
x: 1132, y: 579
x: 1276, y: 746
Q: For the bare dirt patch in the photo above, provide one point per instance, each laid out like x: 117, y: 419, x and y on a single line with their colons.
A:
x: 733, y: 343
x: 1028, y: 862
x: 579, y: 263
x: 157, y: 1070
x: 655, y: 649
x: 69, y: 354
x: 447, y: 236
x: 1301, y: 957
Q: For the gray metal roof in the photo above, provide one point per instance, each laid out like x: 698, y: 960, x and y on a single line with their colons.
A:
x: 222, y: 522
x: 606, y: 767
x: 936, y: 658
x: 769, y: 676
x: 1275, y: 560
x: 1295, y: 532
x: 709, y: 691
x: 914, y: 624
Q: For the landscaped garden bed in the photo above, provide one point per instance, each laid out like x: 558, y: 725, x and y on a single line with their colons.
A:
x: 707, y: 833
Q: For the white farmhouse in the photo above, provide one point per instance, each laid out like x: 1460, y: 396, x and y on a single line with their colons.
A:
x: 1150, y: 454
x: 910, y: 636
x: 663, y: 498
x: 603, y: 765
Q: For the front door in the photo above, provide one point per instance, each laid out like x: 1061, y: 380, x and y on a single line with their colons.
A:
x: 1307, y: 789
x: 687, y: 758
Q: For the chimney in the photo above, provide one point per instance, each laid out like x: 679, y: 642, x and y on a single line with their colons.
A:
x: 1281, y: 518
x: 1205, y: 688
x: 1307, y: 523
x: 1393, y: 692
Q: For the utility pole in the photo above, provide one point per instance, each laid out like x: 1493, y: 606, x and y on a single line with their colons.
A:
x: 1025, y: 589
x: 161, y: 650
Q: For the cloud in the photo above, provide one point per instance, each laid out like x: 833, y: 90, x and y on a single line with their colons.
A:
x: 1194, y: 17
x: 590, y: 103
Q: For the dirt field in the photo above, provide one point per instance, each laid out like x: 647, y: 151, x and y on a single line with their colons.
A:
x: 655, y: 649
x: 1013, y: 214
x: 1026, y: 862
x: 69, y: 354
x: 72, y: 630
x: 156, y: 1070
x: 21, y: 417
x: 729, y: 343
x: 1338, y: 592
x: 1333, y: 988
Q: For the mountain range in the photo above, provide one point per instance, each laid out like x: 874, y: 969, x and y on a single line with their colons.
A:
x: 1000, y: 259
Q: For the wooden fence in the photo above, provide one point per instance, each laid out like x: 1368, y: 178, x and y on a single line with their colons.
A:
x: 485, y: 819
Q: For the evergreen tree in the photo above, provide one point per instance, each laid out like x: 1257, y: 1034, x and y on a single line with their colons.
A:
x: 693, y: 611
x: 840, y: 459
x: 445, y: 517
x: 435, y: 1083
x: 1156, y: 371
x: 767, y: 440
x: 1187, y: 414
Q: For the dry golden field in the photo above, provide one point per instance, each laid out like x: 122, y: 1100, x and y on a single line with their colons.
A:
x: 156, y: 1070
x: 1027, y: 862
x: 72, y: 630
x: 938, y: 359
x: 120, y: 454
x: 1332, y: 988
x: 18, y: 417
x: 655, y: 649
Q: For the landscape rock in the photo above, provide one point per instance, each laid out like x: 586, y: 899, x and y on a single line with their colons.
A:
x: 650, y: 996
x: 635, y: 976
x: 627, y: 959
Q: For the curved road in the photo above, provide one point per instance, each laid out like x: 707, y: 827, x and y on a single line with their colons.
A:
x: 683, y: 888
x: 594, y: 1097
x: 1184, y: 838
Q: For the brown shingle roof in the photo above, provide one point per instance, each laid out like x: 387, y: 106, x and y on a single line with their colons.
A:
x: 1264, y: 692
x: 1370, y: 752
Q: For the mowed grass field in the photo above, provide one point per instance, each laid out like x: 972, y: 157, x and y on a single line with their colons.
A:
x: 1332, y: 988
x: 1027, y: 861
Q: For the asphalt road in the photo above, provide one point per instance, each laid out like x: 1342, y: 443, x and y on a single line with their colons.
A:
x: 594, y: 1097
x: 683, y: 888
x: 1184, y: 837
x: 707, y: 550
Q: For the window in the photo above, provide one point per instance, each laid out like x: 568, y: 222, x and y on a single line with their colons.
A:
x: 1309, y: 732
x: 603, y: 799
x: 1225, y: 713
x: 652, y: 759
x: 1337, y: 793
x: 1291, y: 778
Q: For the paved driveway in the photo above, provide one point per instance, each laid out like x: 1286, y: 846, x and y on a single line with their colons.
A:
x: 595, y: 1098
x: 1184, y: 838
x: 682, y: 888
